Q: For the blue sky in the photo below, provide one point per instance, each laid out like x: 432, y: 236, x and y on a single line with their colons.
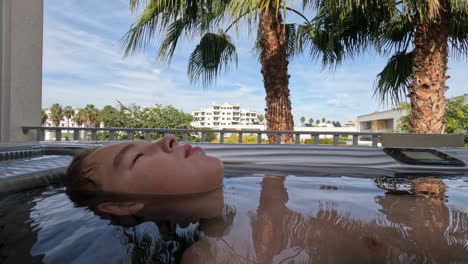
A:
x: 83, y: 64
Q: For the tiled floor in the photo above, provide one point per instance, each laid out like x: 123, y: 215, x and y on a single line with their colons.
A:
x: 33, y: 165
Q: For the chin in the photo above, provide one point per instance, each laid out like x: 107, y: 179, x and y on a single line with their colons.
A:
x: 217, y: 171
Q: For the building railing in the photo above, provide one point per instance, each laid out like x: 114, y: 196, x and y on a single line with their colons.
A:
x: 40, y: 134
x: 375, y: 138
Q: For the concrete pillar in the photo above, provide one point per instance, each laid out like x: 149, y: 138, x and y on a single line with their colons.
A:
x: 21, y: 27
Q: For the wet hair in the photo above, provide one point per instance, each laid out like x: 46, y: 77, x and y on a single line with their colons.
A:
x: 77, y: 177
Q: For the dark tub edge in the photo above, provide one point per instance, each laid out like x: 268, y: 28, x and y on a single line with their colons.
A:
x: 30, y: 181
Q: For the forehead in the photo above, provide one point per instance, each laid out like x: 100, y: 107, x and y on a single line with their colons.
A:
x: 105, y: 155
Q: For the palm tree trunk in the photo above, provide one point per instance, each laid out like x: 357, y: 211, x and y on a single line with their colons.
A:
x: 275, y: 74
x: 430, y: 58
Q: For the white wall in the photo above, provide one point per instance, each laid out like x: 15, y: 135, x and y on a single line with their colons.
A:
x: 21, y: 24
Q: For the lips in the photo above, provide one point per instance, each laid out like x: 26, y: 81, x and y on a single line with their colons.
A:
x: 189, y: 150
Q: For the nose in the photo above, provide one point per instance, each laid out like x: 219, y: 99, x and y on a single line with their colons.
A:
x: 168, y: 143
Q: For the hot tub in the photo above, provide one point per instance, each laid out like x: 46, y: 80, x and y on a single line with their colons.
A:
x: 278, y: 204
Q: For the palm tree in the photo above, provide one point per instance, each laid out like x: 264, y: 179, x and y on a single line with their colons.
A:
x: 260, y: 118
x: 216, y: 52
x: 302, y: 120
x: 418, y: 33
x: 311, y: 121
x: 56, y: 114
x: 44, y: 117
x: 91, y: 114
x: 68, y: 112
x: 79, y: 117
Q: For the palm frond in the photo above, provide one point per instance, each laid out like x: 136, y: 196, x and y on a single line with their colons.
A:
x: 170, y: 19
x: 345, y: 28
x: 320, y: 44
x: 422, y: 10
x: 459, y: 5
x: 169, y: 44
x: 458, y: 33
x: 154, y: 18
x: 214, y: 53
x: 135, y: 4
x: 290, y: 36
x: 392, y: 82
x: 396, y: 34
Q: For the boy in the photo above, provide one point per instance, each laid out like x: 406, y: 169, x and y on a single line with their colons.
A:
x: 139, y: 167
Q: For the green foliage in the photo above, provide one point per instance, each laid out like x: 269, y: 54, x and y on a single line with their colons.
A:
x: 317, y: 121
x: 260, y: 118
x: 246, y: 139
x: 209, y: 136
x: 56, y: 114
x: 347, y: 28
x: 311, y: 121
x: 44, y: 117
x: 68, y: 111
x: 324, y: 141
x: 456, y: 117
x: 111, y: 117
x: 79, y: 117
x: 323, y: 120
x: 404, y: 125
x: 90, y: 115
x: 134, y: 116
x: 214, y: 53
x: 393, y: 80
x: 302, y: 120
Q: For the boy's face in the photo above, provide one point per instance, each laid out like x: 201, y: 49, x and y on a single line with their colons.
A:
x: 163, y: 167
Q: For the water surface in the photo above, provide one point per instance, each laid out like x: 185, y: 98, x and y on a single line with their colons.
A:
x: 256, y: 219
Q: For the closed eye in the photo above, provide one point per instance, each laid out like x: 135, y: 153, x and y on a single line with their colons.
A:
x: 137, y: 157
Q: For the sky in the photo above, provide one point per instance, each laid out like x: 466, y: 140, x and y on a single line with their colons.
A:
x: 83, y: 64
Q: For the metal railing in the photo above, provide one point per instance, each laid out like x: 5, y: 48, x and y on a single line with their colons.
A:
x: 40, y: 134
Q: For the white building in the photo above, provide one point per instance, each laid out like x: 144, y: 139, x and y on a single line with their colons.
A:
x: 220, y: 116
x: 350, y: 123
x: 387, y: 121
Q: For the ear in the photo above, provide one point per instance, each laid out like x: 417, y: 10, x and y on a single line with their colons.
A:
x: 121, y: 209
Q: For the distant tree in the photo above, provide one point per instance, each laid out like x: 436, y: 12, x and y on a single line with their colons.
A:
x: 157, y: 116
x: 260, y: 118
x: 338, y: 124
x: 44, y: 117
x: 317, y: 122
x: 404, y: 121
x: 456, y: 116
x: 56, y: 114
x: 311, y: 121
x: 111, y: 117
x: 323, y: 120
x: 79, y: 117
x: 302, y: 120
x: 68, y: 112
x: 209, y: 136
x: 91, y: 114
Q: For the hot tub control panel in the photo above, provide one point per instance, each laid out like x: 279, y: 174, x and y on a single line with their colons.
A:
x: 416, y: 156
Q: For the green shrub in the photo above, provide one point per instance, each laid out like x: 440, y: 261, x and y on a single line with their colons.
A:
x: 324, y: 141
